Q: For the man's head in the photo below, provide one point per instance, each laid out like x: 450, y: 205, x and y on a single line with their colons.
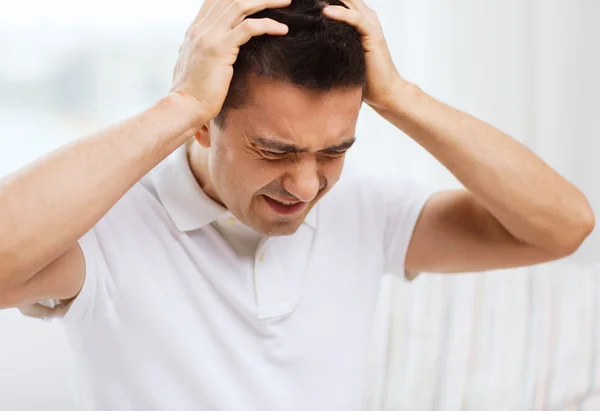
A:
x: 289, y: 117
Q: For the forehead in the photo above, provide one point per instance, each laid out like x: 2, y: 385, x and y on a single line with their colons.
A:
x: 293, y: 113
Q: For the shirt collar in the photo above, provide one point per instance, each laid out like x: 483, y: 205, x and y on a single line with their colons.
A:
x: 187, y: 204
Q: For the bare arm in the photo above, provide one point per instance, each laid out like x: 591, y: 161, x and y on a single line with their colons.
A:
x: 456, y: 234
x: 517, y: 210
x: 46, y: 207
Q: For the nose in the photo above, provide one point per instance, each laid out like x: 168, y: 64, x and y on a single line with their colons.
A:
x: 304, y: 180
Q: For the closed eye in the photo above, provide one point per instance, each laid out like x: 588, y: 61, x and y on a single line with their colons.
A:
x: 273, y: 155
x: 334, y: 153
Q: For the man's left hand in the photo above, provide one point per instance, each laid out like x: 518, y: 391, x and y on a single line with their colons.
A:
x: 382, y: 77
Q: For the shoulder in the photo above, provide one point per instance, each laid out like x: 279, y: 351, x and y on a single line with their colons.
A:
x: 362, y: 189
x: 374, y: 202
x: 138, y: 210
x: 354, y: 201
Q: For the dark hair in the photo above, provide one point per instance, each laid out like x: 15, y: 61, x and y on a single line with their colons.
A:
x: 317, y: 53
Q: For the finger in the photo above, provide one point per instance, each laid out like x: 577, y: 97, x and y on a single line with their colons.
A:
x: 355, y: 5
x: 217, y: 9
x: 238, y: 10
x: 352, y: 17
x: 206, y: 6
x: 256, y: 27
x: 210, y: 11
x: 361, y: 6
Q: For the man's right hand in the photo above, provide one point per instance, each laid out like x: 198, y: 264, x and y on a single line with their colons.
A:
x: 47, y: 207
x: 204, y: 68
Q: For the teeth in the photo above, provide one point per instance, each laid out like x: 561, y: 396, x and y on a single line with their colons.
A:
x: 284, y: 203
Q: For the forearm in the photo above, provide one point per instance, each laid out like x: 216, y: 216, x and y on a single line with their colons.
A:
x: 533, y: 202
x: 47, y: 206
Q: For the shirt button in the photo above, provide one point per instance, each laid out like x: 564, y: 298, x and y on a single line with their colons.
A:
x: 231, y: 221
x: 261, y: 257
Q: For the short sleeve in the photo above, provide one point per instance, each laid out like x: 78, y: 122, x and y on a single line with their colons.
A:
x: 106, y: 248
x: 82, y: 305
x: 109, y: 260
x: 402, y: 203
x: 93, y: 297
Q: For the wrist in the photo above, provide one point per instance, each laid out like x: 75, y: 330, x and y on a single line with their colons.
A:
x: 401, y: 101
x: 185, y: 109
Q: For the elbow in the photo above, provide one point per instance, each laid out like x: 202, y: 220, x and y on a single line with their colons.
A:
x: 580, y: 225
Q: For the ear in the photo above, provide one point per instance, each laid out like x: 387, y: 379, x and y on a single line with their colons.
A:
x: 202, y: 136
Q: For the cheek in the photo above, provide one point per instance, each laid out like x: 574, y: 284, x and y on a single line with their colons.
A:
x: 259, y: 173
x: 240, y: 173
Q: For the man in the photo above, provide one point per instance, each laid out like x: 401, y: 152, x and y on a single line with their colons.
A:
x: 217, y: 282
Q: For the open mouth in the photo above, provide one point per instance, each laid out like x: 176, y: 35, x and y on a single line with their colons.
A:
x: 284, y: 207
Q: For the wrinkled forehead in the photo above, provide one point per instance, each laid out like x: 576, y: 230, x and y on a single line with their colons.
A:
x: 282, y: 110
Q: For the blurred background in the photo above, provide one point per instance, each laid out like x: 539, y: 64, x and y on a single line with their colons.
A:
x: 515, y: 340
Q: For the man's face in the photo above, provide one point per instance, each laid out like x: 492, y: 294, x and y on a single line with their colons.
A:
x: 276, y: 157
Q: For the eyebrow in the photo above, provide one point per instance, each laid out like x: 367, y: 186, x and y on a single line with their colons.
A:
x: 274, y: 145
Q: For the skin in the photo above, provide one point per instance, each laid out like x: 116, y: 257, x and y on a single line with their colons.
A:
x: 514, y: 211
x: 288, y: 144
x: 78, y: 184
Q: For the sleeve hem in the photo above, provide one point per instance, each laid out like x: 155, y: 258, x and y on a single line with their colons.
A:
x: 414, y: 219
x: 410, y: 220
x: 77, y: 307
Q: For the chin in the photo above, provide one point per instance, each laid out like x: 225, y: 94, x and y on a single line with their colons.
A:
x: 278, y: 229
x: 282, y: 230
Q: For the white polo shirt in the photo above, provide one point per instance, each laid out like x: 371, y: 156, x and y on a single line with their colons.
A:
x: 184, y: 308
